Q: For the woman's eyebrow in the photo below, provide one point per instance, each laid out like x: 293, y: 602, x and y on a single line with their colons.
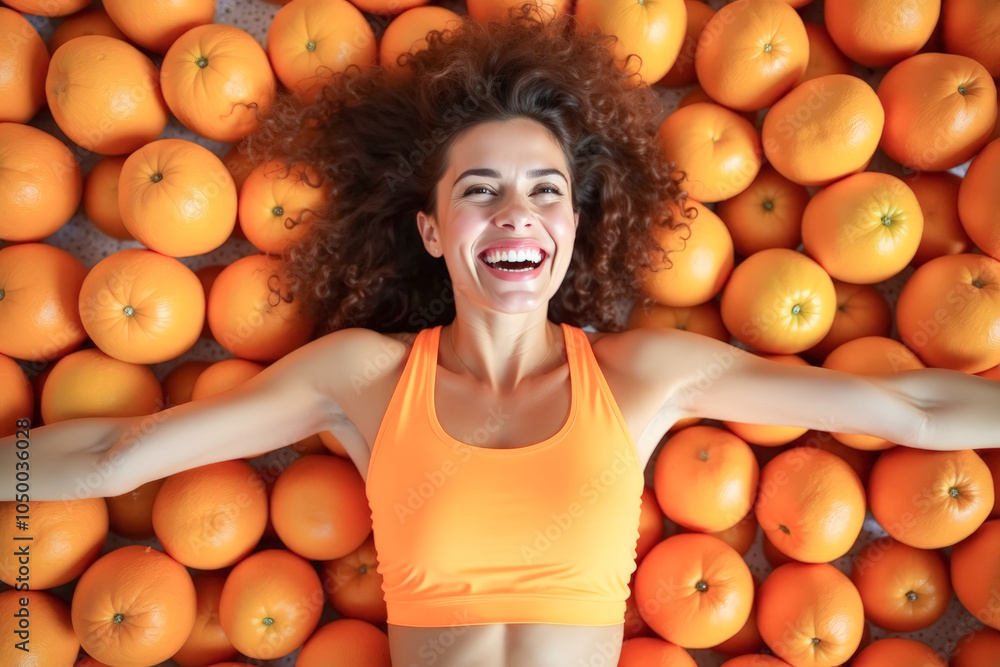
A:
x: 492, y: 173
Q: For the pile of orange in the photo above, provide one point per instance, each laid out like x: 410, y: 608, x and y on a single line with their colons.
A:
x: 823, y: 145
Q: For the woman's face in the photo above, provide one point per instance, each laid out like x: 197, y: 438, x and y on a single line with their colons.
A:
x: 505, y: 189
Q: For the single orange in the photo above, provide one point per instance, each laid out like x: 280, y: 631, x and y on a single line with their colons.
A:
x: 179, y: 381
x: 768, y: 214
x: 131, y: 514
x: 156, y: 24
x: 824, y: 129
x: 948, y: 312
x: 682, y: 73
x: 877, y: 33
x: 976, y: 649
x: 755, y: 660
x: 238, y: 164
x: 105, y: 95
x: 866, y: 640
x: 486, y: 10
x: 991, y: 457
x: 177, y: 198
x: 930, y: 499
x: 142, y: 307
x: 694, y: 590
x: 898, y: 651
x: 864, y: 228
x: 641, y: 651
x: 870, y: 355
x: 224, y: 375
x: 309, y: 41
x: 87, y: 661
x: 40, y: 183
x: 100, y: 197
x: 37, y: 383
x: 47, y: 7
x: 40, y: 629
x: 862, y: 310
x: 26, y: 60
x: 811, y: 504
x: 972, y: 28
x: 904, y: 589
x: 211, y: 516
x: 700, y: 258
x: 18, y: 399
x: 650, y: 523
x: 778, y: 301
x: 740, y: 536
x: 991, y: 373
x: 271, y: 603
x: 217, y: 81
x: 751, y: 53
x: 652, y: 30
x: 996, y: 128
x: 345, y: 642
x: 717, y: 149
x: 278, y: 204
x: 977, y: 196
x: 384, y: 6
x: 66, y: 537
x: 698, y: 94
x: 312, y: 444
x: 407, y: 33
x: 975, y: 573
x: 207, y: 275
x: 810, y: 614
x: 706, y: 478
x: 353, y: 585
x: 319, y: 508
x: 765, y: 434
x: 634, y: 625
x: 824, y: 56
x: 89, y: 383
x: 134, y: 606
x: 940, y: 110
x: 91, y: 21
x: 937, y: 194
x: 704, y: 318
x: 250, y: 320
x: 207, y: 642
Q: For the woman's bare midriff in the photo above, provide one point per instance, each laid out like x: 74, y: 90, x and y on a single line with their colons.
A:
x: 501, y: 644
x: 506, y: 645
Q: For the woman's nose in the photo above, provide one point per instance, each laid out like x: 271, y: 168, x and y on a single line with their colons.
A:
x: 514, y: 214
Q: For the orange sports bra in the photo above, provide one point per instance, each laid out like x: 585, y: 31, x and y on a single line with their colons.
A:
x: 469, y: 535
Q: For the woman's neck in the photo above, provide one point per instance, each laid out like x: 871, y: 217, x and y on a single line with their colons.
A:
x: 501, y: 354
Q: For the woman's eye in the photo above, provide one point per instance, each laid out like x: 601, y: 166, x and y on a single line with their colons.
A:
x: 543, y: 189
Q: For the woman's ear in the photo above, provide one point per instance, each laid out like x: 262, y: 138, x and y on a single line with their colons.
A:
x: 427, y: 227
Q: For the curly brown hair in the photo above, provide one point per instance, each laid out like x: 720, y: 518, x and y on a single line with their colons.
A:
x: 381, y: 141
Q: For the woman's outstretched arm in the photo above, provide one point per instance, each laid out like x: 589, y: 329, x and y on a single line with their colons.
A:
x: 99, y: 457
x: 927, y: 409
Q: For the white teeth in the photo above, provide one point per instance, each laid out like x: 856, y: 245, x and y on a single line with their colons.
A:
x: 533, y: 255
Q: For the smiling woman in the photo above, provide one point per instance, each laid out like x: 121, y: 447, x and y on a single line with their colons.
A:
x: 385, y: 143
x: 481, y: 212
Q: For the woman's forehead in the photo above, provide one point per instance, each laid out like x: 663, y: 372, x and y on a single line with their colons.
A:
x: 513, y: 147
